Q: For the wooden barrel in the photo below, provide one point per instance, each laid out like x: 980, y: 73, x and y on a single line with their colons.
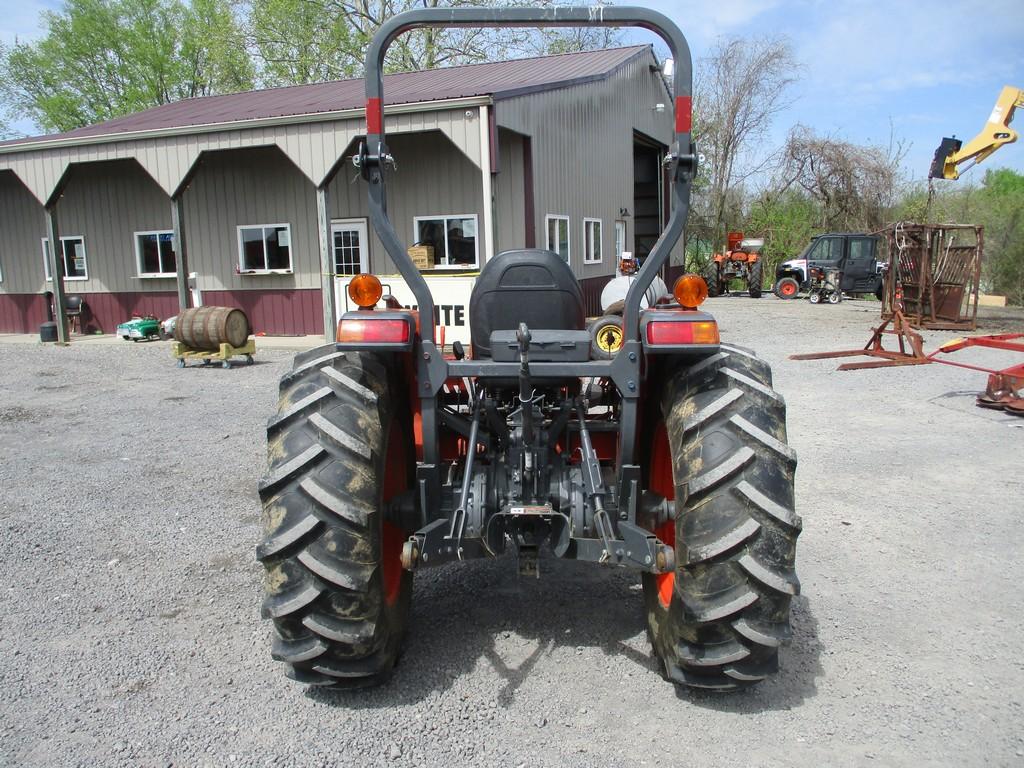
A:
x: 209, y: 327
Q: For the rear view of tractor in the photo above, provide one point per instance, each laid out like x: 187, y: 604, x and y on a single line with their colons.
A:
x: 741, y: 261
x: 388, y: 454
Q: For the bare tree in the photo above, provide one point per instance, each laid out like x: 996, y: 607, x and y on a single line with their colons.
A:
x: 739, y: 89
x: 305, y: 41
x: 855, y: 186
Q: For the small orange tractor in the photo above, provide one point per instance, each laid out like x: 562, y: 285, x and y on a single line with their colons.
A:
x: 741, y: 261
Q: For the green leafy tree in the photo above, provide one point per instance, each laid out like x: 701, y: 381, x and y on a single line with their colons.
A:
x: 1001, y: 212
x: 99, y: 59
x: 786, y: 220
x: 307, y: 41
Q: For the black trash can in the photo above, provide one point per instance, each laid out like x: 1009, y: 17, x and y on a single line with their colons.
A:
x: 48, y: 331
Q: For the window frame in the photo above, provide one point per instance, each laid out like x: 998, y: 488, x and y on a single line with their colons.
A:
x: 445, y: 217
x: 265, y: 271
x: 568, y: 234
x: 138, y: 255
x: 45, y: 241
x: 620, y: 229
x: 363, y: 225
x: 589, y: 240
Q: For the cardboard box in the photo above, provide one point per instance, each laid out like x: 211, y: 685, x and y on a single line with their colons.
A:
x: 422, y: 256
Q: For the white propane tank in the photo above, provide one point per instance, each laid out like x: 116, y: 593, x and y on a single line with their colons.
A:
x: 615, y: 289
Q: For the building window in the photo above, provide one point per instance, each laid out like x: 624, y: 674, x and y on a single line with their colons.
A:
x: 73, y: 252
x: 351, y: 247
x: 453, y: 239
x: 154, y: 252
x: 620, y: 239
x: 557, y: 235
x: 264, y: 248
x: 591, y: 241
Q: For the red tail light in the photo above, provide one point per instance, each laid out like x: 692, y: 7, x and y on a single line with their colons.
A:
x: 375, y: 330
x: 667, y: 333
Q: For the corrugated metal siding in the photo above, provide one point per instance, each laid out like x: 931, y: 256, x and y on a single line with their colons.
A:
x: 509, y: 195
x: 583, y: 150
x: 433, y: 178
x: 105, y: 311
x: 107, y: 203
x: 22, y: 224
x: 21, y: 312
x: 313, y: 147
x: 274, y: 312
x: 592, y: 287
x: 243, y: 187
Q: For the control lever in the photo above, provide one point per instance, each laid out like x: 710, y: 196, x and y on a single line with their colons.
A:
x: 595, y: 489
x: 526, y: 401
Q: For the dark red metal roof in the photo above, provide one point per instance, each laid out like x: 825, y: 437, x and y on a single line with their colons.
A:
x: 500, y: 79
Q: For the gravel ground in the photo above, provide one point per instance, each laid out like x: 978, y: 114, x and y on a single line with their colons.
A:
x: 130, y: 631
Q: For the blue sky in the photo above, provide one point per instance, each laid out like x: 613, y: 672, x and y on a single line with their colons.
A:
x: 929, y: 69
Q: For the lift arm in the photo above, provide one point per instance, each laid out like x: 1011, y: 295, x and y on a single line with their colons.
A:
x: 952, y: 152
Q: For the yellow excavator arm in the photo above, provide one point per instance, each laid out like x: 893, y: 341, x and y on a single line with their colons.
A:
x: 952, y: 152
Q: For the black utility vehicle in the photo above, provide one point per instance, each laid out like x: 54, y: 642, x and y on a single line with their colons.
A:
x: 853, y: 255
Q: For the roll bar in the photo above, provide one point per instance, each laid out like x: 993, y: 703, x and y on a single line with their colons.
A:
x: 681, y: 160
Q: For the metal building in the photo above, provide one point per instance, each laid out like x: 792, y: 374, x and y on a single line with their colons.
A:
x: 255, y: 195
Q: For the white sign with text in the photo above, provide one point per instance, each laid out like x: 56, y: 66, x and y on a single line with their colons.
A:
x: 451, y: 301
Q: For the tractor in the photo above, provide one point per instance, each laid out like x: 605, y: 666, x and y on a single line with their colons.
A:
x: 741, y: 261
x: 390, y: 454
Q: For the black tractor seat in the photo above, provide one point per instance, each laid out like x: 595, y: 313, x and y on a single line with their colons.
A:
x: 531, y: 286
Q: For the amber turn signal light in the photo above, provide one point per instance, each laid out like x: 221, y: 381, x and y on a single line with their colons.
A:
x: 365, y: 290
x: 690, y: 291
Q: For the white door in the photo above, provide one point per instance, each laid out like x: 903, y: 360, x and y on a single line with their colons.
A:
x: 350, y: 246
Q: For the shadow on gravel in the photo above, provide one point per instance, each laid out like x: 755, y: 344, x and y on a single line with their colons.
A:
x: 485, y: 613
x: 799, y: 668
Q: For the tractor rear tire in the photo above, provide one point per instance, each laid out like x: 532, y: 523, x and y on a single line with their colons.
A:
x: 713, y: 280
x: 755, y: 280
x: 338, y: 450
x: 720, y: 450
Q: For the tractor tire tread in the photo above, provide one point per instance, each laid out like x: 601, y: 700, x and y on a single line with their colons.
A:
x: 322, y: 522
x: 736, y: 532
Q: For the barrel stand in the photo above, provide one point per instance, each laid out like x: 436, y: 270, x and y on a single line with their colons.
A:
x: 184, y: 353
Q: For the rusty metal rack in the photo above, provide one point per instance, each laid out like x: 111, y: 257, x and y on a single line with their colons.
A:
x: 1005, y: 388
x: 934, y: 275
x: 911, y: 350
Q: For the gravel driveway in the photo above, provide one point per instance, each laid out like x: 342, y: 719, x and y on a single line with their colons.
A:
x: 129, y: 617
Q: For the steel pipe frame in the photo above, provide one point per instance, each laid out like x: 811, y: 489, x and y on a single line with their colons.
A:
x: 432, y: 369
